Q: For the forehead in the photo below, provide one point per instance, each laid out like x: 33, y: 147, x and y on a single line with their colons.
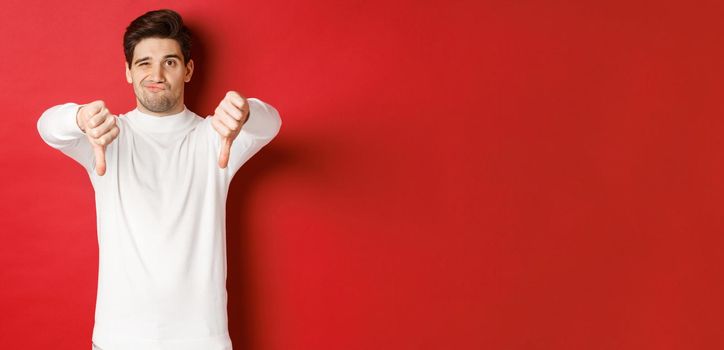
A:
x: 156, y: 47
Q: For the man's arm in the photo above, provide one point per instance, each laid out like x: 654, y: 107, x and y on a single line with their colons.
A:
x: 58, y: 127
x: 81, y: 132
x: 260, y: 127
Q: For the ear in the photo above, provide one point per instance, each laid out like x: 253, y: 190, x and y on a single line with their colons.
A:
x: 189, y: 70
x: 128, y: 73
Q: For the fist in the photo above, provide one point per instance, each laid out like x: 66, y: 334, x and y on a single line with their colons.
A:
x: 229, y: 116
x: 100, y: 127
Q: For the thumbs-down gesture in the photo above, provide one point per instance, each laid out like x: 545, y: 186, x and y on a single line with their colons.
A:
x: 100, y: 127
x: 228, y: 118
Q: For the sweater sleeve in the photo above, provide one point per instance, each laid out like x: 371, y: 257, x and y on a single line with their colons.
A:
x: 57, y: 126
x: 262, y: 126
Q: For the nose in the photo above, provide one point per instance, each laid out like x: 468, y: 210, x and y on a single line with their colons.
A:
x: 157, y: 73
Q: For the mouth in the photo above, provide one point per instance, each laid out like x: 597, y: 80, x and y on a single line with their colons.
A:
x: 154, y: 87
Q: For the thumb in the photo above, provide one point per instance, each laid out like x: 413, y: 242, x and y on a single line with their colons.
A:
x: 100, y: 154
x: 225, y: 151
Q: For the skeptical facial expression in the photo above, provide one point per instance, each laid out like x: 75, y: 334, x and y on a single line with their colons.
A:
x: 158, y: 75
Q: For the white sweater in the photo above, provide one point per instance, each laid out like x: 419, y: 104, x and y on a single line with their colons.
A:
x: 161, y: 225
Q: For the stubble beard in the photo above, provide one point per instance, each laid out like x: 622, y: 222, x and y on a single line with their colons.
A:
x: 156, y: 103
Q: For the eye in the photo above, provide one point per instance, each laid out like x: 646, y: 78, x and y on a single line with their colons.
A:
x: 171, y: 62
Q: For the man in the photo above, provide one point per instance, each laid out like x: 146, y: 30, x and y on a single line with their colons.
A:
x: 161, y: 175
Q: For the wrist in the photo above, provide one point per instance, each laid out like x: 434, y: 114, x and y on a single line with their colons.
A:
x: 78, y: 119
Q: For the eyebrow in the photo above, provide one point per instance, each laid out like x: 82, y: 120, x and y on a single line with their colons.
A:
x: 164, y: 57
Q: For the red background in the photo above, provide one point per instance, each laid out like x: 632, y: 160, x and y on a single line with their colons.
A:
x: 449, y: 174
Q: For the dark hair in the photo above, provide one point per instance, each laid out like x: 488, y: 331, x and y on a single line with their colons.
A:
x: 157, y: 24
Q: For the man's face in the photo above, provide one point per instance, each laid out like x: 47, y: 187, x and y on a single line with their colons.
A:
x: 158, y: 76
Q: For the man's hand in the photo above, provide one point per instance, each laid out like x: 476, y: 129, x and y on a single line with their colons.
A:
x: 229, y: 116
x: 100, y: 127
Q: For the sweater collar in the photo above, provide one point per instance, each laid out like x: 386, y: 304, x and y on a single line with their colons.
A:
x: 165, y: 124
